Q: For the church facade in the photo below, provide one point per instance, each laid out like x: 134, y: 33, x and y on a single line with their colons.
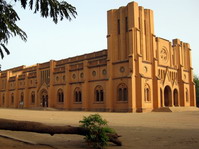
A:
x: 137, y: 72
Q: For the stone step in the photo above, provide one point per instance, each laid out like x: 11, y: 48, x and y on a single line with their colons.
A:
x: 175, y: 109
x: 44, y: 109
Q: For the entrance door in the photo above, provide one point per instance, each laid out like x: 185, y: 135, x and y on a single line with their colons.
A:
x: 44, y: 98
x: 167, y: 96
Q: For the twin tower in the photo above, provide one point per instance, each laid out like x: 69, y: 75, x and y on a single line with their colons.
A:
x: 161, y: 73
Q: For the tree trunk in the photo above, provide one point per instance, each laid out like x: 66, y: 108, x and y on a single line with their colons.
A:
x: 37, y: 127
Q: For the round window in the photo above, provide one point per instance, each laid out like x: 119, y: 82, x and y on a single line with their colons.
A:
x: 94, y: 73
x: 122, y: 69
x: 104, y: 72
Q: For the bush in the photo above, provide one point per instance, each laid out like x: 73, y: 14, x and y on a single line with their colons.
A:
x: 98, y: 129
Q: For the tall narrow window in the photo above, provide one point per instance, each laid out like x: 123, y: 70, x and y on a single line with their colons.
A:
x: 118, y: 26
x: 125, y: 94
x: 12, y: 98
x: 145, y: 26
x: 99, y: 94
x: 45, y: 76
x: 147, y: 97
x: 126, y: 23
x: 161, y: 99
x: 122, y: 92
x: 22, y: 97
x: 60, y: 95
x: 185, y: 58
x: 33, y: 97
x: 139, y: 24
x: 187, y: 95
x: 78, y: 95
x: 3, y: 99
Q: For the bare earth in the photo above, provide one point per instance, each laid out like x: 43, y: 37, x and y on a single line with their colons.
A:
x: 164, y: 130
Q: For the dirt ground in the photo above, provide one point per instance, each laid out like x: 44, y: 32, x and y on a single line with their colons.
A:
x: 165, y: 130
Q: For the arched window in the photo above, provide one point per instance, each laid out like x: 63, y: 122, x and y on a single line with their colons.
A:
x: 122, y: 92
x: 99, y: 94
x: 22, y: 97
x: 175, y: 97
x: 33, y: 97
x: 77, y: 95
x: 12, y: 98
x: 187, y: 95
x: 147, y: 94
x: 60, y: 95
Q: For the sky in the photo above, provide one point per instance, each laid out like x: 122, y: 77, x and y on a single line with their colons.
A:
x: 87, y: 32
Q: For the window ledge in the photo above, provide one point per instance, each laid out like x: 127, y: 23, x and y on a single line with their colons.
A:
x: 77, y: 102
x: 99, y: 102
x: 147, y: 101
x: 122, y: 101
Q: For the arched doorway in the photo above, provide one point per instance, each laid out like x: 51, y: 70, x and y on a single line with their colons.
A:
x: 175, y: 97
x: 44, y: 98
x: 167, y: 96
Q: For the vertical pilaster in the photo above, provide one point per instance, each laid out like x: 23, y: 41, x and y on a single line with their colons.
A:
x: 38, y: 80
x: 138, y: 84
x: 51, y: 92
x: 16, y: 94
x: 68, y: 99
x: 26, y: 93
x: 85, y: 86
x: 7, y: 90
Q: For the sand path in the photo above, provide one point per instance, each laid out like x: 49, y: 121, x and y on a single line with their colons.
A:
x: 165, y: 130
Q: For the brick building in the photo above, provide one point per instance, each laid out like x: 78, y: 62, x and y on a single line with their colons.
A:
x: 138, y: 72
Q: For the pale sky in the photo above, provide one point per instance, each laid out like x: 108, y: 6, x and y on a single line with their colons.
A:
x: 87, y: 33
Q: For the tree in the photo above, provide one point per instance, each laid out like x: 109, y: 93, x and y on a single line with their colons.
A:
x: 196, y: 81
x: 47, y: 8
x: 98, y: 131
x: 93, y: 128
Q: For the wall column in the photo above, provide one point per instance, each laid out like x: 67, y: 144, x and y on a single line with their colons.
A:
x: 85, y: 87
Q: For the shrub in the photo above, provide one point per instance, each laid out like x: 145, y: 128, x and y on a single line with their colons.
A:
x: 98, y: 129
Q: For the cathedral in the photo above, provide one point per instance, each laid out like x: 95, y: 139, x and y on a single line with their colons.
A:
x: 137, y: 72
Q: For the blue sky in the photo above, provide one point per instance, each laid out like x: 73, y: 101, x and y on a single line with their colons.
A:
x: 87, y: 33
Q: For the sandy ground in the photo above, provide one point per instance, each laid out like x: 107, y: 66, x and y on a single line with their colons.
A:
x: 165, y: 130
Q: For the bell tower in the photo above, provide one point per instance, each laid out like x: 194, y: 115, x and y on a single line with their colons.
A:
x: 130, y: 31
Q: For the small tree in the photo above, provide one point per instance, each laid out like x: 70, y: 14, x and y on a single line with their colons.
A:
x: 55, y: 9
x: 98, y: 130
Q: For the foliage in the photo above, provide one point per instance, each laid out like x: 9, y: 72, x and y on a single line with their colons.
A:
x: 98, y: 130
x: 47, y: 8
x: 196, y: 81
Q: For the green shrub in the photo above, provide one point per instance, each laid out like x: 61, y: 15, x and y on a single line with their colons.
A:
x: 98, y: 129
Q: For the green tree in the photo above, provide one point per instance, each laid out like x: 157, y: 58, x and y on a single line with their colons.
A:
x: 196, y: 80
x: 98, y: 130
x: 47, y: 8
